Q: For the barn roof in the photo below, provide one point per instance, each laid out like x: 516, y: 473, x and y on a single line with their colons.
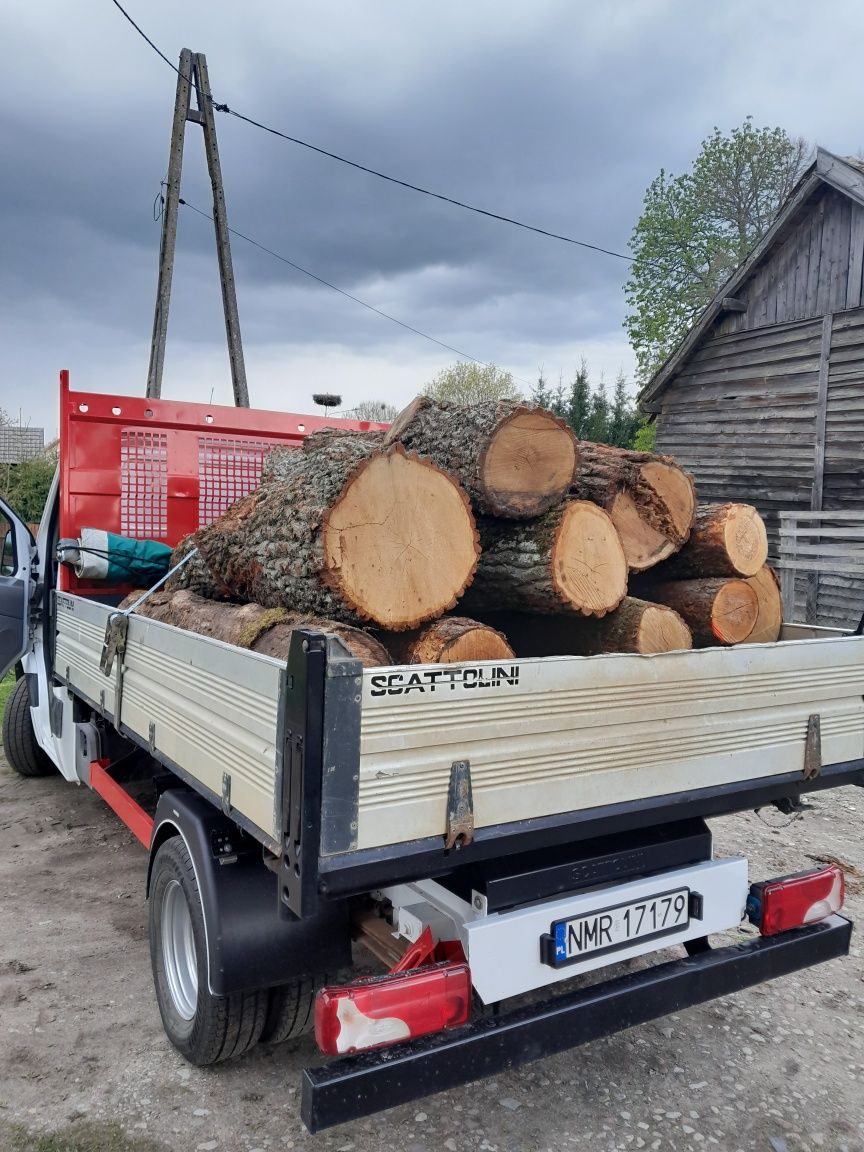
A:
x: 845, y: 173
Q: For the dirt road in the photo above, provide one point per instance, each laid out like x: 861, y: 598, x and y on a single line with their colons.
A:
x: 85, y: 1067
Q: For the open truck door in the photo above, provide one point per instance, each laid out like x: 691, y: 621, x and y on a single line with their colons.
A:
x: 18, y: 549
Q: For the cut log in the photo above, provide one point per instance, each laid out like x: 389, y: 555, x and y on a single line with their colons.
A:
x: 448, y: 640
x: 513, y: 460
x: 571, y: 557
x: 770, y: 618
x: 727, y: 540
x: 194, y: 575
x: 650, y: 498
x: 350, y: 531
x: 634, y: 626
x: 266, y: 630
x: 717, y: 611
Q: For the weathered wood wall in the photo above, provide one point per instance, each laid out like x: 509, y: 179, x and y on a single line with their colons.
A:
x: 841, y: 598
x: 815, y: 267
x: 775, y: 416
x: 741, y: 416
x: 769, y: 408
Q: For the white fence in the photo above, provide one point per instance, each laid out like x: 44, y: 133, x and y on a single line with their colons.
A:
x: 822, y: 567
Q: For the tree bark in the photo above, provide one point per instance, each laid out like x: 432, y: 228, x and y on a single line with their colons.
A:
x: 266, y: 630
x: 650, y: 498
x: 718, y: 611
x: 448, y: 640
x: 770, y: 619
x: 514, y: 460
x: 634, y: 626
x: 349, y: 530
x: 727, y: 540
x: 569, y: 558
x: 194, y: 575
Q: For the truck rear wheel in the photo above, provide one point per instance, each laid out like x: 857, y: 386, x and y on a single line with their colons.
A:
x: 202, y: 1027
x: 291, y: 1011
x: 19, y: 739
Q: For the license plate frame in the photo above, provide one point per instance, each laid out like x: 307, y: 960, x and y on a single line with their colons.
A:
x: 554, y: 953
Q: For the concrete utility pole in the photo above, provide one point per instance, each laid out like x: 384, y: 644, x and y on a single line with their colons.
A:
x: 192, y: 74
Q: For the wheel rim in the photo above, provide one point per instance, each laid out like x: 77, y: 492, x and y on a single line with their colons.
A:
x: 178, y: 951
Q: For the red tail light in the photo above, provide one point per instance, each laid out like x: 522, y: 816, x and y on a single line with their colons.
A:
x: 385, y: 1010
x: 792, y: 901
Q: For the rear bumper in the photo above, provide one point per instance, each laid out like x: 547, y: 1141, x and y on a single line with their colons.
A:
x: 355, y: 1086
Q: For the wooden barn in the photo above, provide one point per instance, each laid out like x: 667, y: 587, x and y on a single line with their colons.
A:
x: 764, y: 399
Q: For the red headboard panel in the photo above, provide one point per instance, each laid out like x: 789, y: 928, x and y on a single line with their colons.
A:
x: 159, y: 469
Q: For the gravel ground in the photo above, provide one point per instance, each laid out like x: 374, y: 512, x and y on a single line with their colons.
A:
x: 85, y: 1067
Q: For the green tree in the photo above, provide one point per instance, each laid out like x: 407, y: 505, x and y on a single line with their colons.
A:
x: 623, y: 418
x: 645, y: 438
x: 25, y: 485
x: 695, y: 229
x: 465, y: 383
x: 579, y: 402
x: 597, y: 424
x: 541, y: 394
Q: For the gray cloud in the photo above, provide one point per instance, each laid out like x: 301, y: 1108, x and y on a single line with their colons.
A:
x: 553, y: 112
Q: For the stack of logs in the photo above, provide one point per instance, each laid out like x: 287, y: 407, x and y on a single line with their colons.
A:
x: 496, y: 508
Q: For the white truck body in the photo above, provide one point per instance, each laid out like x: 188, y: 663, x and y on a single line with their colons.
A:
x: 542, y: 736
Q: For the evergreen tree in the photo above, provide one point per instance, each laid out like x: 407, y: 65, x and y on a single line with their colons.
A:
x: 598, y: 416
x: 541, y: 393
x: 623, y: 420
x: 579, y: 402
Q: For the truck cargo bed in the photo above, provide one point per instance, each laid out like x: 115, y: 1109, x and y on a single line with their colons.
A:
x: 542, y: 737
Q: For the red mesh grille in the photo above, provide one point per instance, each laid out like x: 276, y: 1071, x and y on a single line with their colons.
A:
x: 228, y: 468
x: 143, y: 483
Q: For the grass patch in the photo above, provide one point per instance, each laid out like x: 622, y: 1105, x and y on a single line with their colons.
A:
x: 78, y: 1137
x: 6, y: 686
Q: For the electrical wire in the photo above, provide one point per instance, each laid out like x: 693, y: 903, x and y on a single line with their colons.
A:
x: 383, y: 175
x: 342, y: 292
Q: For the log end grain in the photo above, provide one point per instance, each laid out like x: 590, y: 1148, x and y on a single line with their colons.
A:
x: 589, y: 568
x: 528, y: 464
x: 719, y: 610
x: 745, y: 539
x: 661, y: 629
x: 676, y: 494
x: 770, y: 618
x: 400, y: 543
x: 734, y: 612
x: 643, y: 545
x: 456, y: 638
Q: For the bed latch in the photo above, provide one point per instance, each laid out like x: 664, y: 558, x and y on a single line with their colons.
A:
x: 460, y: 806
x: 813, y: 747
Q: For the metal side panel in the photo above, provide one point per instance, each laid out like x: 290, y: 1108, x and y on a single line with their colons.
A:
x: 78, y: 646
x: 209, y: 708
x: 563, y: 734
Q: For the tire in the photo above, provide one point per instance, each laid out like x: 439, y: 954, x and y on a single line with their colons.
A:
x: 202, y: 1027
x: 291, y: 1010
x: 19, y: 739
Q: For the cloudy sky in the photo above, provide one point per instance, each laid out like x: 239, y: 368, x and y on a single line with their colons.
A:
x: 558, y: 113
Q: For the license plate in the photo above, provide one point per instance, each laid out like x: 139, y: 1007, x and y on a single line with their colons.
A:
x: 608, y: 929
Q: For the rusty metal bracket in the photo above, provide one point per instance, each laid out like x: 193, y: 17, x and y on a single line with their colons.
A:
x: 114, y: 644
x: 813, y: 747
x: 114, y: 651
x: 460, y: 806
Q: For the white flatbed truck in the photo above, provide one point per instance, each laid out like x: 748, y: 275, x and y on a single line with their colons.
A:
x: 486, y: 830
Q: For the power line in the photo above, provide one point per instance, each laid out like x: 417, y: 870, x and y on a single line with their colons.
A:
x: 342, y: 292
x: 144, y: 36
x: 383, y: 175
